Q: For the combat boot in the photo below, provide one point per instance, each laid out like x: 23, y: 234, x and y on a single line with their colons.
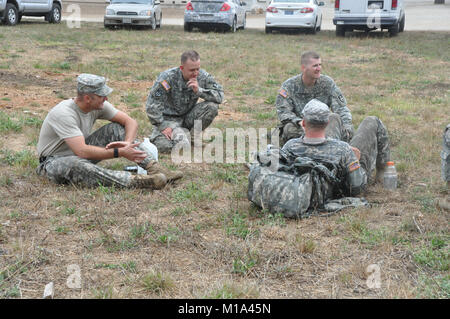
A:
x: 154, y: 181
x: 154, y: 168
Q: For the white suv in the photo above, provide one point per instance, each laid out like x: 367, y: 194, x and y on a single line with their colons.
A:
x: 369, y: 15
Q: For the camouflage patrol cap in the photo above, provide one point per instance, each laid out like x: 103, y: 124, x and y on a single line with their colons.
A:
x: 316, y: 112
x: 90, y: 83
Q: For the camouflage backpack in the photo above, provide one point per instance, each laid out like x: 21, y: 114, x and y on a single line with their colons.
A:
x: 297, y: 190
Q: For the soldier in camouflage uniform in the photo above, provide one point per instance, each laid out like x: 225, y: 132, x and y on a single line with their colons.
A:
x: 172, y: 104
x: 368, y: 150
x: 68, y: 152
x: 300, y: 89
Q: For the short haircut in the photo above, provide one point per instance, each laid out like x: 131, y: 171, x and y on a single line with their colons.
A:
x: 316, y: 125
x: 190, y: 55
x: 307, y: 56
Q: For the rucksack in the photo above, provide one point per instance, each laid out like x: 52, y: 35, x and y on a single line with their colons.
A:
x: 297, y: 190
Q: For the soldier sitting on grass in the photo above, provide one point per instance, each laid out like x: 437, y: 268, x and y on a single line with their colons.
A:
x: 172, y: 104
x: 318, y: 172
x: 300, y: 89
x: 68, y: 152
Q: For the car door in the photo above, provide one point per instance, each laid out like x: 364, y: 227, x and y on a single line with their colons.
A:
x: 37, y: 5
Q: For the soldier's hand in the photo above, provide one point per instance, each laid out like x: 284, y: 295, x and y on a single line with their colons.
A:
x: 348, y: 131
x: 131, y: 153
x: 193, y: 84
x: 167, y: 132
x: 118, y: 144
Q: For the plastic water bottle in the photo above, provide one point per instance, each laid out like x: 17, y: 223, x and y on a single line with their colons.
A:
x: 390, y: 176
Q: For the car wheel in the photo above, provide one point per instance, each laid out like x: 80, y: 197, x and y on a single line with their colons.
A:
x: 340, y: 31
x: 233, y: 26
x: 11, y: 14
x: 268, y: 30
x: 320, y: 25
x: 160, y: 21
x: 393, y: 31
x: 402, y: 25
x: 55, y: 14
x: 187, y: 27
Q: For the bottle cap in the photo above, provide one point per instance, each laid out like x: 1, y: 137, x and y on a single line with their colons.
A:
x: 390, y: 164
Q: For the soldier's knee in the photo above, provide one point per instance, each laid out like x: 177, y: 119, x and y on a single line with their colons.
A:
x: 213, y: 109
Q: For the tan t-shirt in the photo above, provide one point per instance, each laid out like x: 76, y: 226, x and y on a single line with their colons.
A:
x: 67, y: 120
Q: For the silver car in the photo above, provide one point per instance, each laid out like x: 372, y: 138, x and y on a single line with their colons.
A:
x: 218, y: 14
x: 294, y: 14
x: 145, y: 13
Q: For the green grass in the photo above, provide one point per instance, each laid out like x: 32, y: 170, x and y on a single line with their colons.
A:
x: 201, y: 230
x: 157, y: 282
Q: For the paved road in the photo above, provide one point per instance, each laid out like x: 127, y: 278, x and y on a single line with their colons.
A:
x: 421, y: 15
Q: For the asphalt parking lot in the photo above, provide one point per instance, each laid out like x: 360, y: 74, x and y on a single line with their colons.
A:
x: 421, y: 15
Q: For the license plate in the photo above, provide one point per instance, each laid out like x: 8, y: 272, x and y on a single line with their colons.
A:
x: 288, y: 12
x: 339, y: 22
x: 375, y: 4
x: 126, y: 20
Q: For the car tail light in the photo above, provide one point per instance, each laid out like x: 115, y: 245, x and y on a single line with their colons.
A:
x: 306, y: 10
x: 225, y: 7
x: 336, y: 4
x: 272, y: 9
x: 189, y: 7
x: 394, y: 4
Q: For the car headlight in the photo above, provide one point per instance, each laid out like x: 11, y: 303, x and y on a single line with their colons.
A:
x: 110, y: 12
x: 145, y: 13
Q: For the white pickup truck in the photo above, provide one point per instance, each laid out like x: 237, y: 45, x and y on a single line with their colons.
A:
x: 369, y: 15
x: 11, y: 11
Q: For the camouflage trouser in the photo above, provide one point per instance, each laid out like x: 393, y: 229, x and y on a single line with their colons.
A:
x: 445, y: 155
x: 204, y: 112
x: 335, y: 129
x: 76, y: 170
x: 371, y: 138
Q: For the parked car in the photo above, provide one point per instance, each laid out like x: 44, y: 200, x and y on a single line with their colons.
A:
x: 369, y: 15
x: 218, y: 14
x: 144, y: 13
x: 11, y: 12
x: 294, y: 14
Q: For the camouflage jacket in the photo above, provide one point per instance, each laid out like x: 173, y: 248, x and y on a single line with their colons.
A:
x: 293, y: 96
x: 332, y: 151
x: 170, y: 97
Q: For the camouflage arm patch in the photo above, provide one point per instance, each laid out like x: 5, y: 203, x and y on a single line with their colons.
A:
x: 283, y: 93
x: 165, y: 85
x: 354, y: 166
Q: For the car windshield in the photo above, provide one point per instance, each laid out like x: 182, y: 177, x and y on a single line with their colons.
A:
x: 133, y: 1
x: 291, y: 1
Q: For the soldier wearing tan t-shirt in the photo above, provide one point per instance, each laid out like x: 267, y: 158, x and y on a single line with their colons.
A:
x: 68, y: 152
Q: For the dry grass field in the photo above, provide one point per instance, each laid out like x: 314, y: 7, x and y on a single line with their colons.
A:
x: 201, y: 237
